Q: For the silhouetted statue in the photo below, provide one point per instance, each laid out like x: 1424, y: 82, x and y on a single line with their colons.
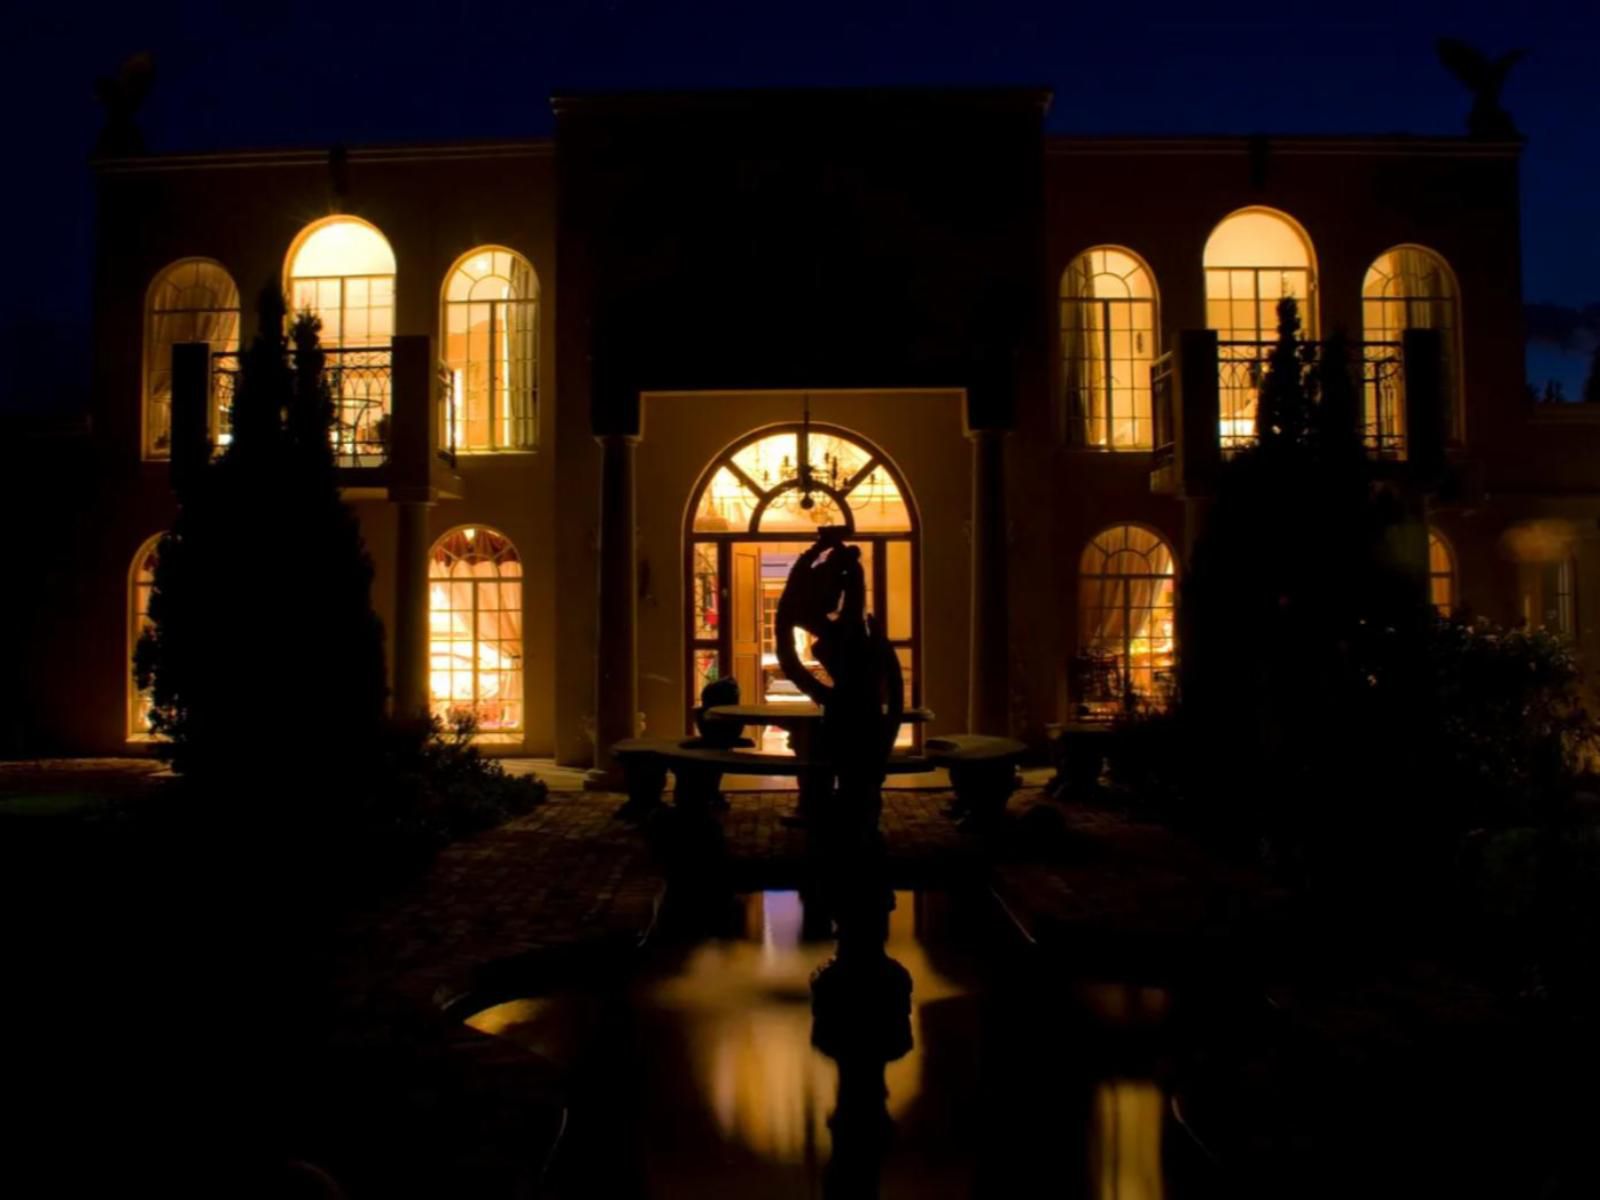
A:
x: 863, y: 698
x: 1484, y: 77
x: 121, y: 96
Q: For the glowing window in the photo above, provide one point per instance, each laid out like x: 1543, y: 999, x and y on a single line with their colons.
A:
x: 1441, y: 573
x: 1409, y: 287
x: 475, y: 629
x: 1253, y: 259
x: 850, y: 485
x: 491, y: 328
x: 759, y: 507
x: 141, y: 584
x: 194, y: 300
x: 1126, y: 592
x: 1108, y: 341
x: 342, y: 270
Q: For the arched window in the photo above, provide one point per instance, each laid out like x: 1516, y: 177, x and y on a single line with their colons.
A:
x: 1127, y: 636
x: 141, y: 583
x: 758, y: 507
x: 1408, y: 287
x: 491, y: 343
x: 193, y: 300
x: 1441, y: 573
x: 475, y: 629
x: 1108, y: 341
x: 342, y: 269
x: 1253, y: 259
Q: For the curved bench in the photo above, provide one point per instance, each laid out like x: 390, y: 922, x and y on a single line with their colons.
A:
x: 982, y: 770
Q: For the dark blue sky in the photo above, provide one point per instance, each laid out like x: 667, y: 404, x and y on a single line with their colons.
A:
x: 295, y: 74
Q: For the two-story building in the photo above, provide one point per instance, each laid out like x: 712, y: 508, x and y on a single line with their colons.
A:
x: 595, y: 391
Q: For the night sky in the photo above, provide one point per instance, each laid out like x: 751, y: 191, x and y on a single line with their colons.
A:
x: 291, y: 74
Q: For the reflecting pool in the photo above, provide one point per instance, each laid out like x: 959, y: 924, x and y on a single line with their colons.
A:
x: 699, y: 1077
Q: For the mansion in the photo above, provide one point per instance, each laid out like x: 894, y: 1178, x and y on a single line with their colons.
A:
x: 594, y: 393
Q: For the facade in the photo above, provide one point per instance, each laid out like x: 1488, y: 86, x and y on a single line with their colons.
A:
x: 578, y: 379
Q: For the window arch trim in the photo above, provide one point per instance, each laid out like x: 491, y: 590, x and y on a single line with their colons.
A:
x: 765, y: 495
x: 149, y: 367
x: 1454, y: 349
x: 1111, y: 679
x: 516, y: 428
x: 506, y: 698
x: 1089, y: 358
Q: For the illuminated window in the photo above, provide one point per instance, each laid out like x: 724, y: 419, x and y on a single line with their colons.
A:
x: 753, y: 516
x: 1253, y: 259
x: 1441, y: 573
x: 194, y: 300
x: 1408, y: 287
x: 1126, y: 591
x: 141, y: 583
x: 1108, y: 341
x: 342, y: 270
x: 491, y: 314
x: 475, y: 629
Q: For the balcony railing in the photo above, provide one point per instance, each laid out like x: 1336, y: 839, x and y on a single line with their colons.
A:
x: 1241, y: 366
x: 1383, y: 399
x: 360, y: 381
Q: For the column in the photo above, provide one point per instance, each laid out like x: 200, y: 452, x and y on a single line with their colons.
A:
x: 411, y: 609
x: 616, y: 688
x: 411, y: 460
x: 988, y: 701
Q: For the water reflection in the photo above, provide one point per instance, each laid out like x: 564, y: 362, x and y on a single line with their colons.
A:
x: 746, y: 1012
x: 706, y: 1081
x: 1125, y: 1140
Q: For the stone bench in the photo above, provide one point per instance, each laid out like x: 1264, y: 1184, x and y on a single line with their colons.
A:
x: 983, y: 773
x: 982, y: 769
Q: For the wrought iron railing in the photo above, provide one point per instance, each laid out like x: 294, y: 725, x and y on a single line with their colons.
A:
x: 1242, y: 365
x: 1383, y: 399
x: 360, y: 381
x: 1240, y: 368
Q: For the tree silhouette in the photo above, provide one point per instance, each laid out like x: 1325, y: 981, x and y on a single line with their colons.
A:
x: 265, y: 659
x: 1299, y: 558
x: 1591, y: 385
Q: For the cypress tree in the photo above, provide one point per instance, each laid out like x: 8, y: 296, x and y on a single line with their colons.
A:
x: 265, y: 659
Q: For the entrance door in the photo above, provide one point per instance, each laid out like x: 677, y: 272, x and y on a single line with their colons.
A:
x: 745, y: 602
x: 756, y: 511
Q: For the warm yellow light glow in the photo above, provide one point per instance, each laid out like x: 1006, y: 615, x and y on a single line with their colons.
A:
x: 490, y: 329
x: 1108, y: 341
x: 1253, y: 259
x: 194, y: 300
x: 1408, y: 287
x: 771, y: 464
x: 1127, y: 617
x: 1257, y: 237
x: 342, y: 246
x: 1125, y: 1141
x: 748, y: 1004
x: 475, y: 629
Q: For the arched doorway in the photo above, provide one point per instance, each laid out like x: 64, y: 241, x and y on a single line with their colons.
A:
x: 758, y: 506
